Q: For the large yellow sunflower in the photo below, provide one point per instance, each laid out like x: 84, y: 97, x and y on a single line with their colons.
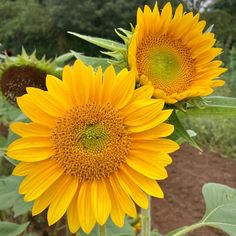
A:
x: 94, y: 147
x: 174, y: 54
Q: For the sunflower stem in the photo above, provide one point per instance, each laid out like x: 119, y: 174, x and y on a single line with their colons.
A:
x: 102, y: 230
x: 146, y: 219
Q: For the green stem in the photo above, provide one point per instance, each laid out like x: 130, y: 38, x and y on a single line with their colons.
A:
x: 187, y: 229
x: 3, y: 149
x: 102, y: 230
x: 146, y: 219
x: 67, y: 231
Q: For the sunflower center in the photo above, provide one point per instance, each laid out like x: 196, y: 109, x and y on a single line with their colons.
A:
x: 16, y: 79
x: 93, y: 137
x: 91, y: 141
x: 166, y: 62
x: 163, y: 63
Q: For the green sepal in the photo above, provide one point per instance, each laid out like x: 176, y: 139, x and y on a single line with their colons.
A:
x: 125, y: 35
x: 180, y: 132
x: 209, y: 29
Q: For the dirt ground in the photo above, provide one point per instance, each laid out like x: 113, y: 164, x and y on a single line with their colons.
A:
x: 183, y: 203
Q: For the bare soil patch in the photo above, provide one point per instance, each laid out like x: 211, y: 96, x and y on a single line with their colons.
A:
x: 183, y: 203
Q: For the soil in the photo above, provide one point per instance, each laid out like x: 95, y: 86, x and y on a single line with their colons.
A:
x: 183, y: 203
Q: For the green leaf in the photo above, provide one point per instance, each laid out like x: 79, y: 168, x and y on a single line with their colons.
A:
x: 93, y: 61
x: 217, y: 107
x: 220, y: 207
x: 220, y: 212
x: 12, y: 229
x: 113, y: 230
x: 103, y: 43
x: 9, y: 195
x: 180, y: 134
x: 21, y: 207
x: 8, y: 191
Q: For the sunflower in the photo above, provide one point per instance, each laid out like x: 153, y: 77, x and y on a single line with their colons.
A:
x: 94, y: 147
x: 174, y: 54
x: 17, y: 73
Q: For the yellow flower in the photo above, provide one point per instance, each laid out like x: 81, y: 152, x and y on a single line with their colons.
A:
x: 174, y: 54
x: 94, y: 147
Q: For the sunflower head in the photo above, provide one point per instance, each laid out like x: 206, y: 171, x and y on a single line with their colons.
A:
x: 95, y: 146
x: 172, y: 52
x: 18, y: 73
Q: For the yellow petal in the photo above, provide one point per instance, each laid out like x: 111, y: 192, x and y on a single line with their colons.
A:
x: 45, y: 199
x: 165, y: 145
x: 35, y: 183
x: 146, y: 184
x: 117, y: 214
x: 143, y: 112
x: 30, y: 129
x: 62, y: 200
x: 166, y: 16
x: 31, y: 149
x: 143, y: 93
x: 101, y: 201
x: 158, y: 158
x: 109, y: 81
x: 45, y: 101
x: 150, y: 169
x: 73, y: 214
x: 33, y: 112
x: 23, y: 168
x: 132, y: 189
x: 159, y: 131
x: 124, y: 89
x: 55, y: 86
x: 80, y: 83
x: 123, y: 198
x: 87, y: 221
x: 151, y: 124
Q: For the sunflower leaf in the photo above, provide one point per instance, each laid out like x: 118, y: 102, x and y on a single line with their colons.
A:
x: 100, y: 42
x: 217, y: 107
x: 180, y: 132
x: 220, y: 212
x: 12, y: 229
x: 93, y: 61
x: 9, y: 196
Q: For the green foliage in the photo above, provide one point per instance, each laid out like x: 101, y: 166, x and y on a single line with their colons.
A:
x: 220, y: 212
x: 93, y: 61
x: 217, y: 106
x: 9, y: 195
x: 11, y: 229
x: 180, y: 134
x: 111, y: 230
